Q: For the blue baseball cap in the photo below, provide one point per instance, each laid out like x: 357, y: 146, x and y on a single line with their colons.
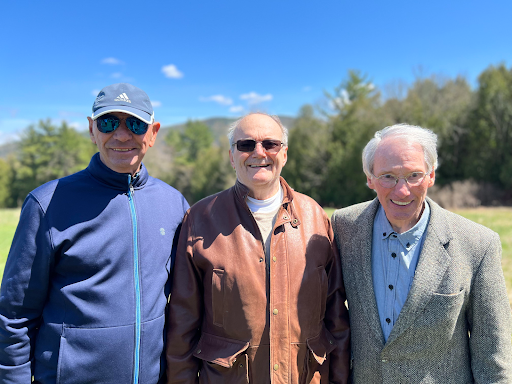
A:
x: 126, y: 98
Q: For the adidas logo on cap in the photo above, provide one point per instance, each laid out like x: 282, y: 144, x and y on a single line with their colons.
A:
x: 123, y: 97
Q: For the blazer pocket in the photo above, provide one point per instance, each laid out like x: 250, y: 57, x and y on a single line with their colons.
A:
x: 442, y: 313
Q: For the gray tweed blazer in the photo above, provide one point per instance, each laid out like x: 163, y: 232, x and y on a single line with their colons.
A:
x: 455, y: 326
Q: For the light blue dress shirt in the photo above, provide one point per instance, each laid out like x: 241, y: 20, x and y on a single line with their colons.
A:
x: 394, y: 260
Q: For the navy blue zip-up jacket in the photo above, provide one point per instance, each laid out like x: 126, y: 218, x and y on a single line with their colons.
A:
x: 86, y: 282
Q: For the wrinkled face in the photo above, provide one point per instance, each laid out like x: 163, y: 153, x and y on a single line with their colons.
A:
x: 258, y: 170
x: 122, y: 150
x: 403, y: 204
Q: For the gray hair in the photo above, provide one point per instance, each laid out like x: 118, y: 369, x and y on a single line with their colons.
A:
x: 410, y: 133
x: 232, y: 128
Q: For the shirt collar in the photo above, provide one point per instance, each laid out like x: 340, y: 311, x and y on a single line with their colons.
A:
x: 384, y: 229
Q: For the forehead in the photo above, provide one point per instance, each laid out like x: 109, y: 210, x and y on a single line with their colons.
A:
x: 397, y: 154
x: 259, y: 127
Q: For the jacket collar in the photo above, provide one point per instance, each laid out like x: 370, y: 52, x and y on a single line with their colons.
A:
x: 241, y: 192
x: 115, y: 180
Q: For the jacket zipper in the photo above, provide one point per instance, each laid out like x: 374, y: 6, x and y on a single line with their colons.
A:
x: 136, y: 280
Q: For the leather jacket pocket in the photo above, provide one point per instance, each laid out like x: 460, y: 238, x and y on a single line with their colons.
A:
x: 319, y: 348
x: 218, y: 297
x: 223, y: 359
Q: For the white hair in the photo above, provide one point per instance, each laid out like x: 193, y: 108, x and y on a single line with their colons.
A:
x: 232, y: 128
x: 410, y: 133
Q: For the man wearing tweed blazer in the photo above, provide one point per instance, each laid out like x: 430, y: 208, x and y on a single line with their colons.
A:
x: 425, y: 289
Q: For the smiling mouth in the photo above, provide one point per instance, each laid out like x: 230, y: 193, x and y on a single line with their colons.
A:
x: 259, y: 166
x: 401, y: 203
x: 121, y: 149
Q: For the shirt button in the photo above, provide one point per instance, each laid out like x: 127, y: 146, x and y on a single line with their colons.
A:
x: 408, y: 245
x: 295, y: 221
x: 198, y: 351
x: 274, y: 258
x: 285, y: 217
x: 275, y: 311
x: 276, y: 367
x: 393, y: 255
x: 390, y: 286
x: 384, y: 234
x: 388, y: 320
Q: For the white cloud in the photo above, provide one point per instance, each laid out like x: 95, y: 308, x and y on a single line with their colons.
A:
x: 172, y: 72
x: 255, y: 98
x: 116, y: 75
x: 156, y: 103
x: 111, y: 61
x: 222, y: 100
x: 236, y: 108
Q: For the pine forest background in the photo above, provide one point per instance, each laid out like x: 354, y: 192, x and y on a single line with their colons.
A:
x: 474, y: 125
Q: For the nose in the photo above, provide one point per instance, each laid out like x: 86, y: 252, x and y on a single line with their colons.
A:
x: 122, y: 133
x: 259, y: 150
x: 402, y: 188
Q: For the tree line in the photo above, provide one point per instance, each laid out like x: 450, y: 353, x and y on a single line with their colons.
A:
x: 474, y: 127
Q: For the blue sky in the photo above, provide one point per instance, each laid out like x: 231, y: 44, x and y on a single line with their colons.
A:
x: 199, y: 59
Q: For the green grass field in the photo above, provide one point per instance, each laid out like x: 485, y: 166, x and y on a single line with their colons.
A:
x: 498, y: 219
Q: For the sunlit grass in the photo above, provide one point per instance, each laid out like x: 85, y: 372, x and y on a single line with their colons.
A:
x: 499, y: 219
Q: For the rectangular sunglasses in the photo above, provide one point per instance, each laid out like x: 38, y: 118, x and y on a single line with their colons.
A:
x: 109, y: 123
x: 271, y: 146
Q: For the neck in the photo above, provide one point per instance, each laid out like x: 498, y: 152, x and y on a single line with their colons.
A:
x: 264, y: 194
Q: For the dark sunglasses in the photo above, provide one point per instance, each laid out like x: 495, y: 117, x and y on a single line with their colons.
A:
x: 271, y: 146
x: 109, y: 123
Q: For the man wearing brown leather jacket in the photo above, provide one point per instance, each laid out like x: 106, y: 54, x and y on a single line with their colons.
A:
x: 258, y: 294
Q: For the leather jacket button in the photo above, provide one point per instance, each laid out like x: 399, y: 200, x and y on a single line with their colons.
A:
x: 274, y: 259
x: 285, y: 217
x: 261, y: 260
x: 276, y: 367
x: 295, y: 221
x: 275, y: 311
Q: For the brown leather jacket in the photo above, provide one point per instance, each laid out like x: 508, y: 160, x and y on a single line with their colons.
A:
x: 228, y: 323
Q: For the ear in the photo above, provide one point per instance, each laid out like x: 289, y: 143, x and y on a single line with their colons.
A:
x: 91, y: 129
x: 370, y: 182
x: 285, y: 155
x: 155, y: 127
x: 231, y: 159
x: 432, y: 178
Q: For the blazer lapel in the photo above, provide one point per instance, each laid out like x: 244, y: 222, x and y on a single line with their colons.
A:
x: 432, y: 265
x: 363, y: 260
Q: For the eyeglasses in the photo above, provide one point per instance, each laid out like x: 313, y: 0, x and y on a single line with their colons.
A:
x: 389, y: 181
x: 109, y: 123
x: 270, y: 146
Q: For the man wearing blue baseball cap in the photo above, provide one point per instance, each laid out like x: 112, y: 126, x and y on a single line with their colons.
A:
x: 86, y: 281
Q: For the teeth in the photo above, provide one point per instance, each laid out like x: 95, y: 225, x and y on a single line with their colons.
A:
x: 121, y: 149
x: 401, y: 202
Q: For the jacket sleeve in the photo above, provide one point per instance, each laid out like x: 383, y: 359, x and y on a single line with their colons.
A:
x: 336, y: 318
x: 185, y: 313
x: 490, y: 321
x: 23, y: 293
